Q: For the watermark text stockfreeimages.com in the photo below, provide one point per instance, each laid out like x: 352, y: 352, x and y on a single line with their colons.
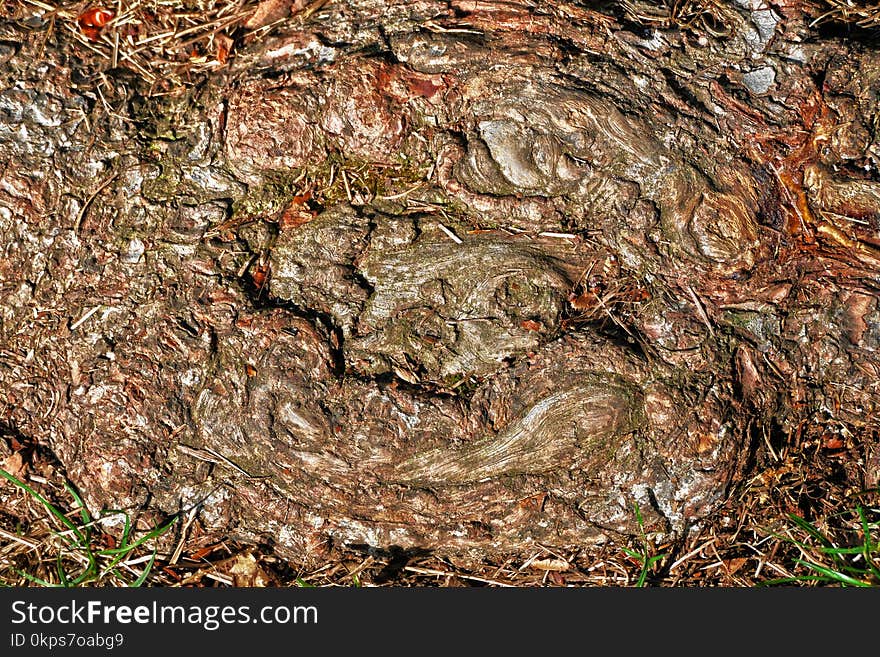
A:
x: 210, y: 617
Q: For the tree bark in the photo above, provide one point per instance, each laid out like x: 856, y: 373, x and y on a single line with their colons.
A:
x: 457, y: 276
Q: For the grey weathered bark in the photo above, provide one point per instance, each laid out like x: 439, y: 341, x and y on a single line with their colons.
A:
x: 555, y: 263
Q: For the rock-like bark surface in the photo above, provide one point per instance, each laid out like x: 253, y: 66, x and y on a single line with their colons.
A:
x: 453, y: 276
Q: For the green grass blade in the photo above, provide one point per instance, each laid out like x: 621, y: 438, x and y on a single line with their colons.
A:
x: 83, y: 511
x: 638, y: 516
x: 63, y: 519
x: 121, y: 553
x: 643, y: 557
x: 62, y: 576
x: 844, y: 567
x: 632, y: 553
x: 834, y: 575
x: 866, y: 526
x: 126, y: 530
x: 35, y: 579
x: 810, y: 529
x: 143, y: 576
x: 156, y: 532
x: 841, y: 552
x: 646, y: 568
x: 871, y: 548
x: 92, y: 569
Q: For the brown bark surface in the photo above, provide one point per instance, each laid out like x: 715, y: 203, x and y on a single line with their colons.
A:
x: 462, y: 277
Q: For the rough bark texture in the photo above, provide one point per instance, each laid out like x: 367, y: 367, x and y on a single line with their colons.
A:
x: 554, y: 263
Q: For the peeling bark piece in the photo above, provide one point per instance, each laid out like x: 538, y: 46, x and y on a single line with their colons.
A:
x: 857, y: 309
x: 360, y: 114
x: 437, y: 53
x: 269, y: 11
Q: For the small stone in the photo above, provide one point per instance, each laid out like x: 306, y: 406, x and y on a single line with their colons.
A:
x: 134, y: 252
x: 760, y: 80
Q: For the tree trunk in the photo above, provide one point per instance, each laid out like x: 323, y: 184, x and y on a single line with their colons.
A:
x: 460, y: 277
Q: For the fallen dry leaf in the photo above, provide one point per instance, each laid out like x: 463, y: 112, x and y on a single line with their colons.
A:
x: 269, y: 11
x: 92, y: 20
x: 246, y: 571
x: 734, y: 565
x: 556, y: 578
x: 297, y: 212
x: 14, y: 464
x: 749, y: 378
x: 553, y: 565
x: 223, y: 46
x: 832, y: 442
x: 96, y: 17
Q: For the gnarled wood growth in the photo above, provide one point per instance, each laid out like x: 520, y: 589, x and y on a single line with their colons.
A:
x: 453, y: 276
